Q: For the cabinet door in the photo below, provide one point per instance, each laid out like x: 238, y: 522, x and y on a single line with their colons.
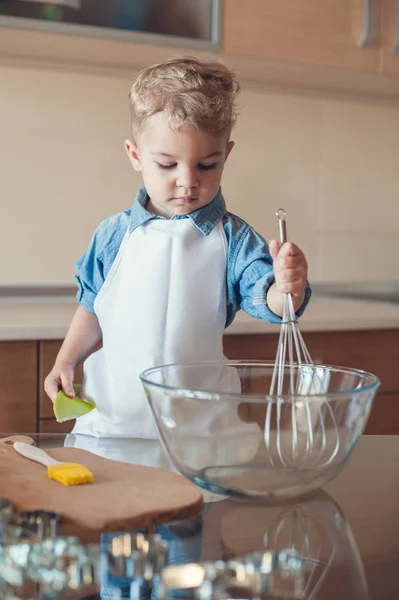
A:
x: 384, y: 416
x: 373, y: 351
x: 18, y: 405
x: 390, y: 36
x: 326, y: 32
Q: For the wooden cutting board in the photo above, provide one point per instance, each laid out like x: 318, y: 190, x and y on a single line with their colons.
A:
x: 123, y: 497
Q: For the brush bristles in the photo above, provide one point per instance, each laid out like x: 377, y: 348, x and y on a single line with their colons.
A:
x: 70, y: 474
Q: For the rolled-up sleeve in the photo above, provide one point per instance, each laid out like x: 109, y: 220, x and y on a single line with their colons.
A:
x: 254, y: 276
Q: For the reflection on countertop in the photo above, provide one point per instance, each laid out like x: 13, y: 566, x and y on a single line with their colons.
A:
x: 31, y: 313
x: 349, y: 530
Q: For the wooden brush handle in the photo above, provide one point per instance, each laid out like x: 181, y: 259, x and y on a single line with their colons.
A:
x: 35, y: 454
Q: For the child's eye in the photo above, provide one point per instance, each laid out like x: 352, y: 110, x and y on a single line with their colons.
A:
x: 166, y: 167
x: 207, y: 167
x: 201, y: 166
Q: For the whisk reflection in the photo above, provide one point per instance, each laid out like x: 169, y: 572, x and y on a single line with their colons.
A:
x: 297, y: 531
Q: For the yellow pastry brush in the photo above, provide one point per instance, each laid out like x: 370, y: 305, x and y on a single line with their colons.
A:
x: 65, y: 473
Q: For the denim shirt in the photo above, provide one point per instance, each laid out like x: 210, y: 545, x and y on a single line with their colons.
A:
x: 249, y: 264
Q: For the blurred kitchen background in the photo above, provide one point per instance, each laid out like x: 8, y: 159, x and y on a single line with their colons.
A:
x: 318, y: 135
x: 318, y: 132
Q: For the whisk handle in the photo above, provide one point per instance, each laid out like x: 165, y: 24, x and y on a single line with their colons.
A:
x: 282, y: 225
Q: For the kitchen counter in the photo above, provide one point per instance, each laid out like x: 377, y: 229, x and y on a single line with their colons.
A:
x: 350, y: 529
x: 48, y: 317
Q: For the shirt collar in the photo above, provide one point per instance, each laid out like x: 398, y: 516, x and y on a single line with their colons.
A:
x: 205, y: 219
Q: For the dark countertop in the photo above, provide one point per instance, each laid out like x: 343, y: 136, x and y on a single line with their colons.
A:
x: 365, y: 495
x: 351, y: 528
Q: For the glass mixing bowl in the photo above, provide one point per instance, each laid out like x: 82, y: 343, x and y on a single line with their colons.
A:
x: 224, y: 432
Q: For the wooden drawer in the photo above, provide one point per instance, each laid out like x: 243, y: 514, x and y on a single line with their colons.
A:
x: 18, y: 404
x: 373, y: 351
x: 384, y: 417
x: 49, y: 426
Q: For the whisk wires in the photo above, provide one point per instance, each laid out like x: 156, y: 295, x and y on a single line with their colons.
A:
x: 305, y: 441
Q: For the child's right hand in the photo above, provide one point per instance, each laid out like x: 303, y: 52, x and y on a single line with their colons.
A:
x: 60, y: 377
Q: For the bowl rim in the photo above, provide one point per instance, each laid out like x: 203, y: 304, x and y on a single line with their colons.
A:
x: 207, y: 395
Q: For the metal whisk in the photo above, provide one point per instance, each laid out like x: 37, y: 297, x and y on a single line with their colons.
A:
x: 290, y: 337
x: 299, y: 432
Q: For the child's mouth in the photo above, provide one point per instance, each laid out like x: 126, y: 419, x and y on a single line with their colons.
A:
x: 186, y: 199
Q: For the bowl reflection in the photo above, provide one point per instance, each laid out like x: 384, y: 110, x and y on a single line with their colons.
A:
x: 304, y: 551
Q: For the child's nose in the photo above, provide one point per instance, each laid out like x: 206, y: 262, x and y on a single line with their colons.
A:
x: 187, y: 179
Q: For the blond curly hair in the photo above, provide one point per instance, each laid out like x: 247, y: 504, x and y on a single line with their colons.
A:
x: 197, y: 93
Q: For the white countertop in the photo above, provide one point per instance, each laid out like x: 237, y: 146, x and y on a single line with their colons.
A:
x: 31, y: 318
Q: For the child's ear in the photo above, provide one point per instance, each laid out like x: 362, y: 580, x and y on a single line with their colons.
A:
x: 133, y: 153
x: 229, y: 148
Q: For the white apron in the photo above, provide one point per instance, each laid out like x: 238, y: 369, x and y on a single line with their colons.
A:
x: 163, y: 301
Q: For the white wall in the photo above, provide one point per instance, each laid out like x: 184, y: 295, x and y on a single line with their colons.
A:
x: 333, y: 165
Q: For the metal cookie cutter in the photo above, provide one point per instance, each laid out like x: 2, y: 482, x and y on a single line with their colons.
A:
x: 17, y: 534
x: 6, y: 511
x: 279, y: 574
x: 63, y: 563
x: 32, y: 554
x: 15, y: 543
x: 136, y: 556
x: 44, y: 523
x: 202, y: 581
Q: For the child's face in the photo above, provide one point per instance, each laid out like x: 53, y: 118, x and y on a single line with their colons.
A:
x: 182, y: 169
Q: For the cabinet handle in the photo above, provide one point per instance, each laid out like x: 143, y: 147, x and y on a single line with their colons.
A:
x: 368, y: 28
x: 396, y: 42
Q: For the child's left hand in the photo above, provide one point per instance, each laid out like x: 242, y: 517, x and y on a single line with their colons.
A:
x: 290, y: 268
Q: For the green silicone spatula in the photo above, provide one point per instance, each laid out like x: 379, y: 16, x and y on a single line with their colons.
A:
x: 66, y: 408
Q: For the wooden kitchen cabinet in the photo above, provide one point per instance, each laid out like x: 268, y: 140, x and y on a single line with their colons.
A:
x: 389, y: 62
x: 24, y: 365
x: 289, y: 44
x: 18, y: 388
x: 49, y: 426
x: 323, y: 33
x: 314, y: 45
x: 374, y: 351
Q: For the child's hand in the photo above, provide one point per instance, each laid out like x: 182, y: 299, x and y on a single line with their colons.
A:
x: 60, y: 377
x: 290, y: 268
